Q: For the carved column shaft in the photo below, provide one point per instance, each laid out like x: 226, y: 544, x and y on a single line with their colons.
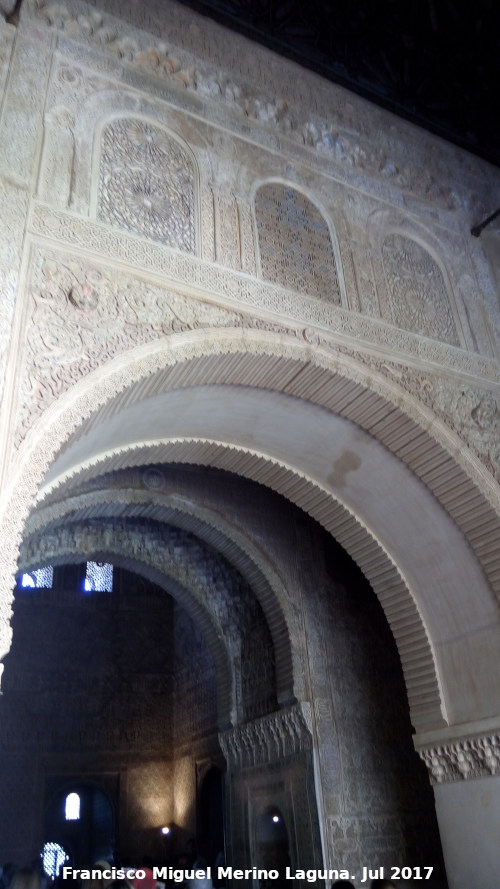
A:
x: 57, y: 160
x: 227, y: 230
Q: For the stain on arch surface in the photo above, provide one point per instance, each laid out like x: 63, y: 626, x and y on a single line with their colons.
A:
x: 304, y: 380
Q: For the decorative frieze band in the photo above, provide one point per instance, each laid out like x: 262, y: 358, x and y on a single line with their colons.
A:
x: 211, y: 280
x: 459, y: 760
x: 268, y: 739
x: 298, y: 110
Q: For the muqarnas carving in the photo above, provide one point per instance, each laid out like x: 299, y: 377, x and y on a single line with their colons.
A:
x: 418, y: 296
x: 295, y: 244
x: 147, y: 183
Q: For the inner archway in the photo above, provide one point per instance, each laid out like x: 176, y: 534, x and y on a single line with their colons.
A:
x: 267, y: 746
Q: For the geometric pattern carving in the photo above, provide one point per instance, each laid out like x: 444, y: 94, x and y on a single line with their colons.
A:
x: 460, y: 760
x: 146, y: 183
x: 294, y: 241
x: 269, y: 739
x: 417, y: 292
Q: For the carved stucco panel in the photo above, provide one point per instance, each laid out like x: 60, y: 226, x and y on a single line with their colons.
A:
x: 72, y: 84
x: 472, y: 411
x: 425, y: 281
x: 82, y: 315
x: 253, y: 295
x: 147, y: 183
x: 14, y: 205
x: 295, y: 242
x: 324, y: 121
x: 246, y: 236
x: 22, y: 111
x: 228, y: 250
x: 418, y: 297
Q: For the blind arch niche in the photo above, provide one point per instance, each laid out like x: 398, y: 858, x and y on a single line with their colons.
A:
x: 295, y: 244
x: 147, y: 183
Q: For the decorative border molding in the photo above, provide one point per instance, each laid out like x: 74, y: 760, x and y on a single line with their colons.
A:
x: 462, y: 760
x: 306, y: 110
x: 221, y: 285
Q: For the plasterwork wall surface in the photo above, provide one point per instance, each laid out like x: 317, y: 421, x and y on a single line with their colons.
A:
x: 236, y: 79
x: 84, y: 313
x: 85, y: 307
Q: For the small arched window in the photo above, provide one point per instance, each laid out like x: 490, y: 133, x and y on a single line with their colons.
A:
x: 72, y: 807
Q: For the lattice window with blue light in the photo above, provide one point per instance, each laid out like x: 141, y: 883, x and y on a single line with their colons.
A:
x: 53, y: 858
x: 98, y: 577
x: 40, y: 578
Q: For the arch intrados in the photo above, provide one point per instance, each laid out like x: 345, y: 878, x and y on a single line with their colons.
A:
x: 209, y: 526
x: 416, y: 654
x: 236, y: 356
x: 409, y: 429
x: 226, y: 705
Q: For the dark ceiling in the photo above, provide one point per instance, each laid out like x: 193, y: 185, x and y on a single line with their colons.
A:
x: 434, y: 62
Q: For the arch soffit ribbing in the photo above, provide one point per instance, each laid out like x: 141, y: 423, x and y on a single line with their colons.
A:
x: 209, y: 525
x: 336, y: 383
x: 408, y: 429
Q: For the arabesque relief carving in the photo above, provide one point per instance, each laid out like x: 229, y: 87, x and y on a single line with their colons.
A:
x: 213, y: 582
x: 295, y: 246
x: 269, y: 739
x: 338, y: 137
x: 472, y: 411
x: 417, y: 292
x: 83, y: 315
x: 464, y: 759
x: 255, y: 294
x: 146, y: 183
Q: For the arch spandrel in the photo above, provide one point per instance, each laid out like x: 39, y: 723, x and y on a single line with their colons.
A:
x: 318, y: 379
